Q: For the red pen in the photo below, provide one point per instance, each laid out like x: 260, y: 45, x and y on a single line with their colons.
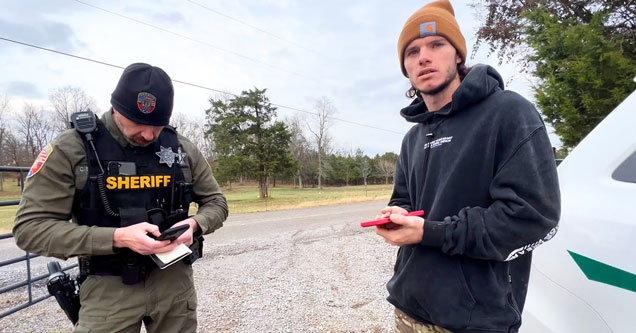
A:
x: 387, y: 220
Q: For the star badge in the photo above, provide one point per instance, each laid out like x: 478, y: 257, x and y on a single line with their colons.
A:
x: 167, y: 156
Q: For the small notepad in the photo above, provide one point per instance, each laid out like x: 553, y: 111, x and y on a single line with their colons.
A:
x: 166, y: 259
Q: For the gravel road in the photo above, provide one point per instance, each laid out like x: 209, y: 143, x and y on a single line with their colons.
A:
x: 307, y: 270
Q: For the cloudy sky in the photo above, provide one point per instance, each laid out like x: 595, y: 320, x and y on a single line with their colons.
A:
x: 298, y: 50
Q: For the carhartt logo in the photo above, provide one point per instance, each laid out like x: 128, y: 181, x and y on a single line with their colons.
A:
x: 428, y: 29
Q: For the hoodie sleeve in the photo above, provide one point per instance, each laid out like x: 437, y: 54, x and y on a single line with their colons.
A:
x: 524, y: 212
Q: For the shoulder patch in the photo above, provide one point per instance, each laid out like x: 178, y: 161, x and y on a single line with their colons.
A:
x: 40, y: 160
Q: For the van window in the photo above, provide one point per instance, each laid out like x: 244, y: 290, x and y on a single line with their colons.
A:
x: 626, y: 172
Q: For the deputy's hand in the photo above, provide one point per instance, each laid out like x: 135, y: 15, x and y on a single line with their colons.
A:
x: 187, y: 238
x: 135, y: 237
x: 403, y: 230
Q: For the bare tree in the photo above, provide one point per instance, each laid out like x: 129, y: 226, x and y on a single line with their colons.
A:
x: 188, y: 127
x: 11, y: 151
x: 385, y: 165
x: 14, y: 153
x: 207, y: 147
x: 66, y: 101
x: 386, y: 169
x: 194, y: 130
x: 324, y: 111
x: 4, y: 106
x: 348, y: 172
x: 35, y: 128
x: 301, y: 150
x: 365, y: 169
x: 24, y: 129
x: 365, y: 165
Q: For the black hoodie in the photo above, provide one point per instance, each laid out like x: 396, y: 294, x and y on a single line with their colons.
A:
x: 483, y: 170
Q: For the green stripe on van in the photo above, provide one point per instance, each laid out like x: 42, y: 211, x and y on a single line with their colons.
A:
x: 604, y: 273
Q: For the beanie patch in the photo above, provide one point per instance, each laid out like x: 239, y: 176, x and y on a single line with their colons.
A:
x: 428, y: 29
x: 146, y: 102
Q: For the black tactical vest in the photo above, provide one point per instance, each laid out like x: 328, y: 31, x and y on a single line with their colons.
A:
x: 137, y: 184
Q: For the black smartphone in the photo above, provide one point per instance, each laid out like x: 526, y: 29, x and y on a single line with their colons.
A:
x: 173, y: 233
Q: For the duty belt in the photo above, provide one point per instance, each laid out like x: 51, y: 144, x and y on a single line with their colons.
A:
x: 132, y: 268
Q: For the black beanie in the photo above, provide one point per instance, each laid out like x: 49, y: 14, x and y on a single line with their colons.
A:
x: 144, y: 95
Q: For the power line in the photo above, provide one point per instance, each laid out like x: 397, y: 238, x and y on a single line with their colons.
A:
x: 338, y: 119
x: 192, y: 39
x: 187, y: 83
x: 102, y: 63
x: 60, y: 52
x: 256, y: 28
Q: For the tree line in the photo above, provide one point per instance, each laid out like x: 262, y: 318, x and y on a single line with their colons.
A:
x: 582, y: 52
x: 25, y: 131
x: 240, y: 137
x: 251, y: 143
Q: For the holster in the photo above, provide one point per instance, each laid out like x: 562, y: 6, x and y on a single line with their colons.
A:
x: 134, y: 268
x: 197, y: 250
x: 65, y: 290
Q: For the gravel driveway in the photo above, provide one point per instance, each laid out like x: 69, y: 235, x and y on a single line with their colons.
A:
x: 308, y: 270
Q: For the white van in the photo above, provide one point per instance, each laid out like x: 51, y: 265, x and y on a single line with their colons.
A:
x: 584, y: 280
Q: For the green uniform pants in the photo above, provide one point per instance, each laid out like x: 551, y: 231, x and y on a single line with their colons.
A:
x: 166, y: 302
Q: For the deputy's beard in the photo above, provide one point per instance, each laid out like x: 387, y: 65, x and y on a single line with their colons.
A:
x: 135, y: 144
x: 126, y: 137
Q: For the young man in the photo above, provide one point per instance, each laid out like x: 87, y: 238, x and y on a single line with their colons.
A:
x: 128, y: 180
x: 478, y: 161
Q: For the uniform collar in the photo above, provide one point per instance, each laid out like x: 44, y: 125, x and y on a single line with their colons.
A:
x: 109, y: 122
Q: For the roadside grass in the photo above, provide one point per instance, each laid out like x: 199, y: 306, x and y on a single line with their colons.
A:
x: 244, y: 199
x: 10, y: 188
x: 10, y: 191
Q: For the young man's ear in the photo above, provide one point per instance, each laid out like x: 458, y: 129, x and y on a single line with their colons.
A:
x: 458, y: 58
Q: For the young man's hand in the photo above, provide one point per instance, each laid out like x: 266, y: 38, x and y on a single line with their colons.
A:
x: 402, y: 230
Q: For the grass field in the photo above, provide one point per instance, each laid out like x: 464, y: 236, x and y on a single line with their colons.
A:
x: 10, y: 191
x: 244, y: 199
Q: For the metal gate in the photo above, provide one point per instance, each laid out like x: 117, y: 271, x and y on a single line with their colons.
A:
x: 26, y: 258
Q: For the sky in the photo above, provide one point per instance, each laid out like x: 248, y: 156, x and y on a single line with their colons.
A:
x: 300, y: 51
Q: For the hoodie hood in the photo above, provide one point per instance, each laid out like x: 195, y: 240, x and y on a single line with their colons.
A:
x: 479, y: 83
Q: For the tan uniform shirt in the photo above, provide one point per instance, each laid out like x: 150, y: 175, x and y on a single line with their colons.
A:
x: 42, y: 221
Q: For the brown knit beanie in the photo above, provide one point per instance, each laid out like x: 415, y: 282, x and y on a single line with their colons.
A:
x: 435, y: 18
